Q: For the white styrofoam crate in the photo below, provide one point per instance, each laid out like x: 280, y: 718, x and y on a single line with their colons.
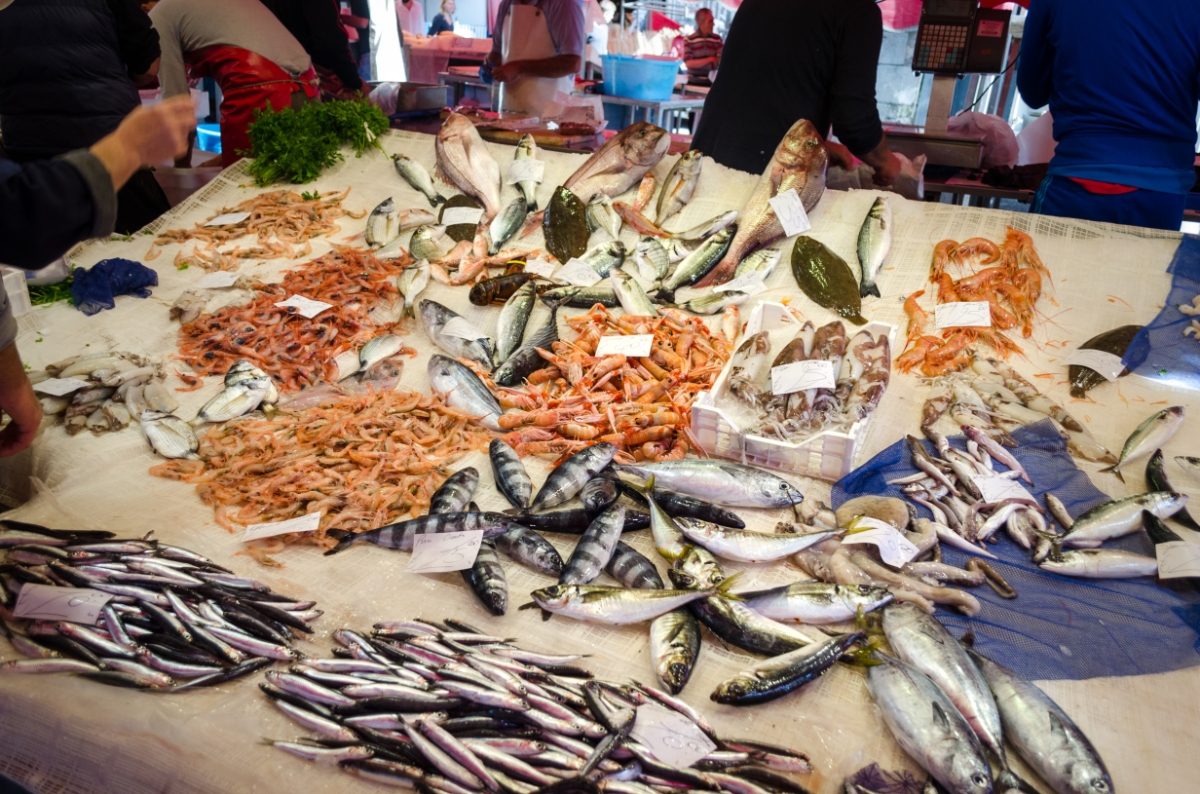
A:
x: 827, y: 455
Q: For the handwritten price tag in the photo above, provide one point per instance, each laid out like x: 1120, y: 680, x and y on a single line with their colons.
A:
x: 305, y: 307
x: 964, y: 314
x: 72, y: 604
x: 218, y: 280
x: 305, y: 523
x: 634, y: 345
x: 228, y: 219
x: 1105, y: 364
x: 669, y: 736
x: 445, y: 551
x: 790, y: 210
x: 59, y: 387
x: 461, y: 327
x: 802, y: 375
x: 539, y: 267
x: 894, y: 548
x: 528, y: 169
x: 453, y: 216
x: 1176, y: 560
x: 578, y: 272
x: 999, y: 489
x: 751, y: 284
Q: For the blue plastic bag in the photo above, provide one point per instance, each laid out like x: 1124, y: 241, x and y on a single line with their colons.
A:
x: 96, y: 288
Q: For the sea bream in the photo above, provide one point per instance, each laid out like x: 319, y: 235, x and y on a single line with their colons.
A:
x: 464, y: 161
x: 621, y: 162
x: 463, y: 390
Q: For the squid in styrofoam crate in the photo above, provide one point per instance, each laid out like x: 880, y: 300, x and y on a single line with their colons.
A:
x: 795, y: 396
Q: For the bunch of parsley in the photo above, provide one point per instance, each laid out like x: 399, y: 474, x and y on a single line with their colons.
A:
x: 296, y: 144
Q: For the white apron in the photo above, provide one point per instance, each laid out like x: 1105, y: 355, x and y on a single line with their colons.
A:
x: 527, y: 38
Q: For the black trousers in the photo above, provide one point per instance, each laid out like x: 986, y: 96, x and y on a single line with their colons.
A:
x: 140, y: 201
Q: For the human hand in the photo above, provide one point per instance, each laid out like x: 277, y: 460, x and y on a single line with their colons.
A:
x: 887, y: 170
x: 18, y: 401
x: 506, y: 72
x: 839, y: 154
x: 158, y: 132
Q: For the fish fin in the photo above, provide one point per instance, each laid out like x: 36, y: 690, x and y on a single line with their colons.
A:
x: 865, y: 290
x: 940, y: 716
x: 1056, y: 725
x: 1115, y: 470
x: 725, y: 588
x: 968, y: 639
x: 863, y: 656
x: 1008, y: 780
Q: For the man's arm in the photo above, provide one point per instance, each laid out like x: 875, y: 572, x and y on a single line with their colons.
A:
x: 1036, y: 59
x: 137, y: 39
x: 331, y: 48
x: 853, y: 111
x: 565, y: 19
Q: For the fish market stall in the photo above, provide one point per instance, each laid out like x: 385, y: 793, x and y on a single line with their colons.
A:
x: 1119, y: 679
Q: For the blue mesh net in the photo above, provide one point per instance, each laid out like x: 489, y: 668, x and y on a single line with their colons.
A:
x: 1160, y: 351
x: 1058, y: 626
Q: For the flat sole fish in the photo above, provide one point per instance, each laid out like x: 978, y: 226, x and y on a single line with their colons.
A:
x: 826, y: 279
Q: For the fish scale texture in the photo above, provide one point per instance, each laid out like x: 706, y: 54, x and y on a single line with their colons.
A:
x: 1058, y: 626
x: 1160, y: 351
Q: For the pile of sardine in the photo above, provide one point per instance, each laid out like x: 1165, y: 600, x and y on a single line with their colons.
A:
x: 117, y: 388
x: 450, y: 709
x: 952, y: 709
x: 861, y: 366
x: 175, y: 620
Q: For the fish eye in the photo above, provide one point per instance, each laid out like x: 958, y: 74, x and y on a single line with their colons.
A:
x: 1100, y: 785
x: 980, y: 779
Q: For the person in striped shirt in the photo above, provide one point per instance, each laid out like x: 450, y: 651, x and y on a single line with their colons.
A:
x: 702, y: 49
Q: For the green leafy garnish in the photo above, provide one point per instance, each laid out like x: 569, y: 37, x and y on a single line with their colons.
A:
x: 184, y: 265
x: 310, y: 195
x: 296, y: 145
x: 46, y: 294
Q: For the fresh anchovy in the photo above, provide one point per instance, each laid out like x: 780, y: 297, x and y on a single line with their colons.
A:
x: 415, y: 174
x: 378, y: 349
x: 169, y: 435
x: 921, y: 641
x: 456, y: 492
x: 506, y: 224
x: 1156, y: 478
x: 651, y: 259
x: 514, y: 316
x: 613, y: 605
x: 463, y: 390
x: 723, y: 482
x: 430, y: 242
x: 675, y: 647
x: 574, y: 520
x: 401, y: 534
x: 633, y: 569
x: 708, y: 227
x: 582, y: 297
x: 511, y: 478
x: 435, y: 317
x: 678, y: 505
x: 928, y: 727
x: 595, y: 547
x: 527, y: 150
x: 598, y: 493
x: 383, y: 224
x: 779, y: 675
x: 1120, y: 517
x: 527, y: 547
x: 874, y: 242
x: 569, y: 477
x: 816, y: 602
x: 601, y: 215
x: 698, y: 263
x: 486, y: 579
x: 526, y: 359
x: 1102, y: 564
x: 680, y: 184
x: 632, y: 297
x: 746, y: 545
x: 1151, y: 434
x: 761, y: 263
x: 234, y: 401
x: 1043, y: 735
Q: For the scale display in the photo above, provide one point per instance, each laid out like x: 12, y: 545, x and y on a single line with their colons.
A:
x: 956, y: 37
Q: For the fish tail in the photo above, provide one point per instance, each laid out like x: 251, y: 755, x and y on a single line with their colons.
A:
x: 868, y: 289
x: 1116, y: 470
x: 344, y: 538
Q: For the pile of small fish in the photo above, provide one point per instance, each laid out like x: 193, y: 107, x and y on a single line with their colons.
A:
x: 117, y: 388
x: 283, y: 221
x: 861, y: 367
x: 451, y: 709
x: 952, y: 709
x: 297, y: 351
x: 175, y: 620
x: 362, y: 460
x: 1011, y: 285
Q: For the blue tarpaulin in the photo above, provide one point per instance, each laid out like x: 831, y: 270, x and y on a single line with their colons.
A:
x: 1160, y: 351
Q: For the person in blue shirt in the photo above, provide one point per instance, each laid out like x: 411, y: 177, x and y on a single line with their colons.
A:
x: 1122, y: 80
x: 444, y: 21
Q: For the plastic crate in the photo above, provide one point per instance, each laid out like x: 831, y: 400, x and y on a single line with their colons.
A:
x: 646, y: 78
x: 208, y: 138
x: 828, y: 455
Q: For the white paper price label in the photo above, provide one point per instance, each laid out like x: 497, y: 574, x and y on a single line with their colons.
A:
x: 72, y: 604
x: 305, y: 307
x: 1176, y: 559
x: 894, y: 548
x: 539, y: 267
x: 462, y: 328
x: 802, y: 375
x: 305, y: 523
x: 528, y: 169
x: 669, y: 736
x: 634, y: 345
x: 218, y: 280
x: 963, y: 314
x: 751, y: 284
x: 228, y: 219
x: 578, y: 272
x: 454, y: 216
x: 59, y: 387
x: 790, y: 210
x: 1105, y: 364
x: 999, y: 489
x: 445, y: 551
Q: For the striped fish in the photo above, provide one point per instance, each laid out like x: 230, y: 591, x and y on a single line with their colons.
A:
x: 595, y: 547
